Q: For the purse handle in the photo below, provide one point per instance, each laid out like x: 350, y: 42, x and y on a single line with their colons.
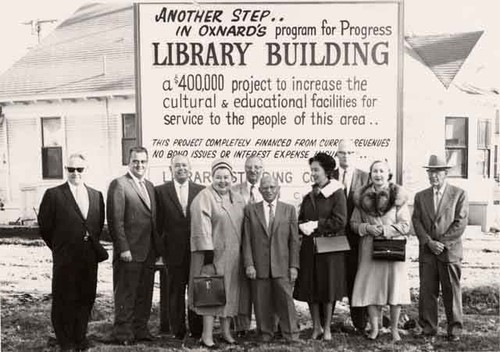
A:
x: 212, y: 272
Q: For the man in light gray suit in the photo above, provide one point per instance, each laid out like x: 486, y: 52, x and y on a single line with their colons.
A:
x: 439, y: 217
x: 131, y: 214
x: 271, y: 258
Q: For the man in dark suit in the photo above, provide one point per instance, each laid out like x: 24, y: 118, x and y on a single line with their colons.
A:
x: 352, y: 178
x: 440, y: 217
x: 271, y: 258
x: 69, y: 215
x: 174, y: 224
x: 131, y: 213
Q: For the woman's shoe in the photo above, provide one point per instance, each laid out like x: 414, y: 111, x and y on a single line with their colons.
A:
x: 210, y: 347
x: 371, y: 336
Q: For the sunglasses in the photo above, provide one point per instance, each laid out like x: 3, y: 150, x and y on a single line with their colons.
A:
x: 73, y: 169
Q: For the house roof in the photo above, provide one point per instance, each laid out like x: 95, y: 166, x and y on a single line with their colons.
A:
x: 90, y: 53
x: 444, y: 54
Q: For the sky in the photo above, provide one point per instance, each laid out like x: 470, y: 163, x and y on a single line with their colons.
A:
x: 421, y: 17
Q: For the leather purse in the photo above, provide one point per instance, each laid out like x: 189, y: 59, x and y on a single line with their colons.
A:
x: 389, y: 249
x: 208, y: 291
x: 101, y: 253
x: 331, y: 244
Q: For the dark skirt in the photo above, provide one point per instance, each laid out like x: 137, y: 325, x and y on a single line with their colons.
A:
x: 321, y: 277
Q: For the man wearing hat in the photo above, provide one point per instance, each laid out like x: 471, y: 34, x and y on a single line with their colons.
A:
x: 439, y: 218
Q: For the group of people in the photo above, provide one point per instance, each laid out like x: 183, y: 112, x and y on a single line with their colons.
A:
x: 265, y: 252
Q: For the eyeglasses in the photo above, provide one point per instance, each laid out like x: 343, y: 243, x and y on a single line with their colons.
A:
x: 73, y: 169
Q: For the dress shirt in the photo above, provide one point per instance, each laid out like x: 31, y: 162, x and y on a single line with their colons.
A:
x: 438, y: 195
x: 257, y: 197
x: 81, y: 197
x: 347, y: 179
x: 141, y: 184
x: 266, y: 210
x: 182, y: 190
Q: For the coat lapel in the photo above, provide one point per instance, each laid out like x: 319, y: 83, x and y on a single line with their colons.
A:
x: 71, y: 200
x: 136, y: 189
x: 259, y: 210
x: 445, y: 199
x: 429, y: 203
x: 278, y: 214
x: 173, y: 195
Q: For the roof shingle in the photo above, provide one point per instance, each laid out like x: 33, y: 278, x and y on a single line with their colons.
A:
x: 90, y: 52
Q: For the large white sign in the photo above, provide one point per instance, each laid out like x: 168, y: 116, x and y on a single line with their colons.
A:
x: 281, y: 81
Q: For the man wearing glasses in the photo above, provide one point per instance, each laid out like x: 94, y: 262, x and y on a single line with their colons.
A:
x: 70, y: 214
x: 352, y: 178
x: 131, y: 214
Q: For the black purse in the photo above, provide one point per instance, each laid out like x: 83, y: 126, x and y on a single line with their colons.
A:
x: 389, y: 249
x: 209, y: 291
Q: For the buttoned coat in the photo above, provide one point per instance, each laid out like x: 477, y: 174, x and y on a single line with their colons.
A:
x: 445, y: 225
x: 272, y: 252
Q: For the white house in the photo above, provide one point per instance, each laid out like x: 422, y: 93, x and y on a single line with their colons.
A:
x: 75, y: 92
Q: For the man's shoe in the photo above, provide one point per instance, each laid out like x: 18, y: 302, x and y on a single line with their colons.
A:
x: 453, y: 338
x: 180, y: 336
x: 147, y: 338
x: 241, y: 333
x: 83, y: 346
x: 266, y: 338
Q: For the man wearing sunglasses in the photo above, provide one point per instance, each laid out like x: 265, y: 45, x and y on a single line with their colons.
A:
x: 70, y: 214
x: 131, y: 214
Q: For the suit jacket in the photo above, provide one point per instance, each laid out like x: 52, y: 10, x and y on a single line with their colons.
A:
x: 242, y: 190
x: 359, y: 179
x: 62, y: 224
x: 132, y: 224
x: 445, y: 225
x: 273, y: 252
x: 174, y: 227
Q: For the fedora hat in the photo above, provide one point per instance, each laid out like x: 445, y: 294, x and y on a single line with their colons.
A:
x: 437, y: 162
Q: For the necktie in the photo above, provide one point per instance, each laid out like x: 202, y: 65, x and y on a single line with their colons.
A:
x: 81, y: 201
x: 144, y: 193
x: 344, y: 181
x: 271, y: 217
x: 436, y: 199
x: 252, y: 196
x: 183, y: 198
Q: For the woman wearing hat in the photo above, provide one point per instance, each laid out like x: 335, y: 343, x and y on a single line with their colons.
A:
x: 381, y: 212
x: 216, y: 223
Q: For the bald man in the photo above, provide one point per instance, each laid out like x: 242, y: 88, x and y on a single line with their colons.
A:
x: 352, y: 178
x: 174, y: 223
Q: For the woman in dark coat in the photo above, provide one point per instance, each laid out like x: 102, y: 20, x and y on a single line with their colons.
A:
x: 323, y: 212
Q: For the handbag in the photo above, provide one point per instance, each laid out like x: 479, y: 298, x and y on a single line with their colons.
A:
x: 331, y: 244
x: 389, y: 249
x: 101, y: 253
x: 208, y: 291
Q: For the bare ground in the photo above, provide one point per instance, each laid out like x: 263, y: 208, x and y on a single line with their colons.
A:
x: 25, y: 279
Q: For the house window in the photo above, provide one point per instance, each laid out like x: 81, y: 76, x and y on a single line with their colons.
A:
x: 52, y: 141
x: 483, y: 148
x: 457, y: 145
x: 129, y: 135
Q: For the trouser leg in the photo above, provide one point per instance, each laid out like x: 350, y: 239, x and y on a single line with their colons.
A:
x: 450, y: 274
x: 428, y: 297
x: 285, y: 307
